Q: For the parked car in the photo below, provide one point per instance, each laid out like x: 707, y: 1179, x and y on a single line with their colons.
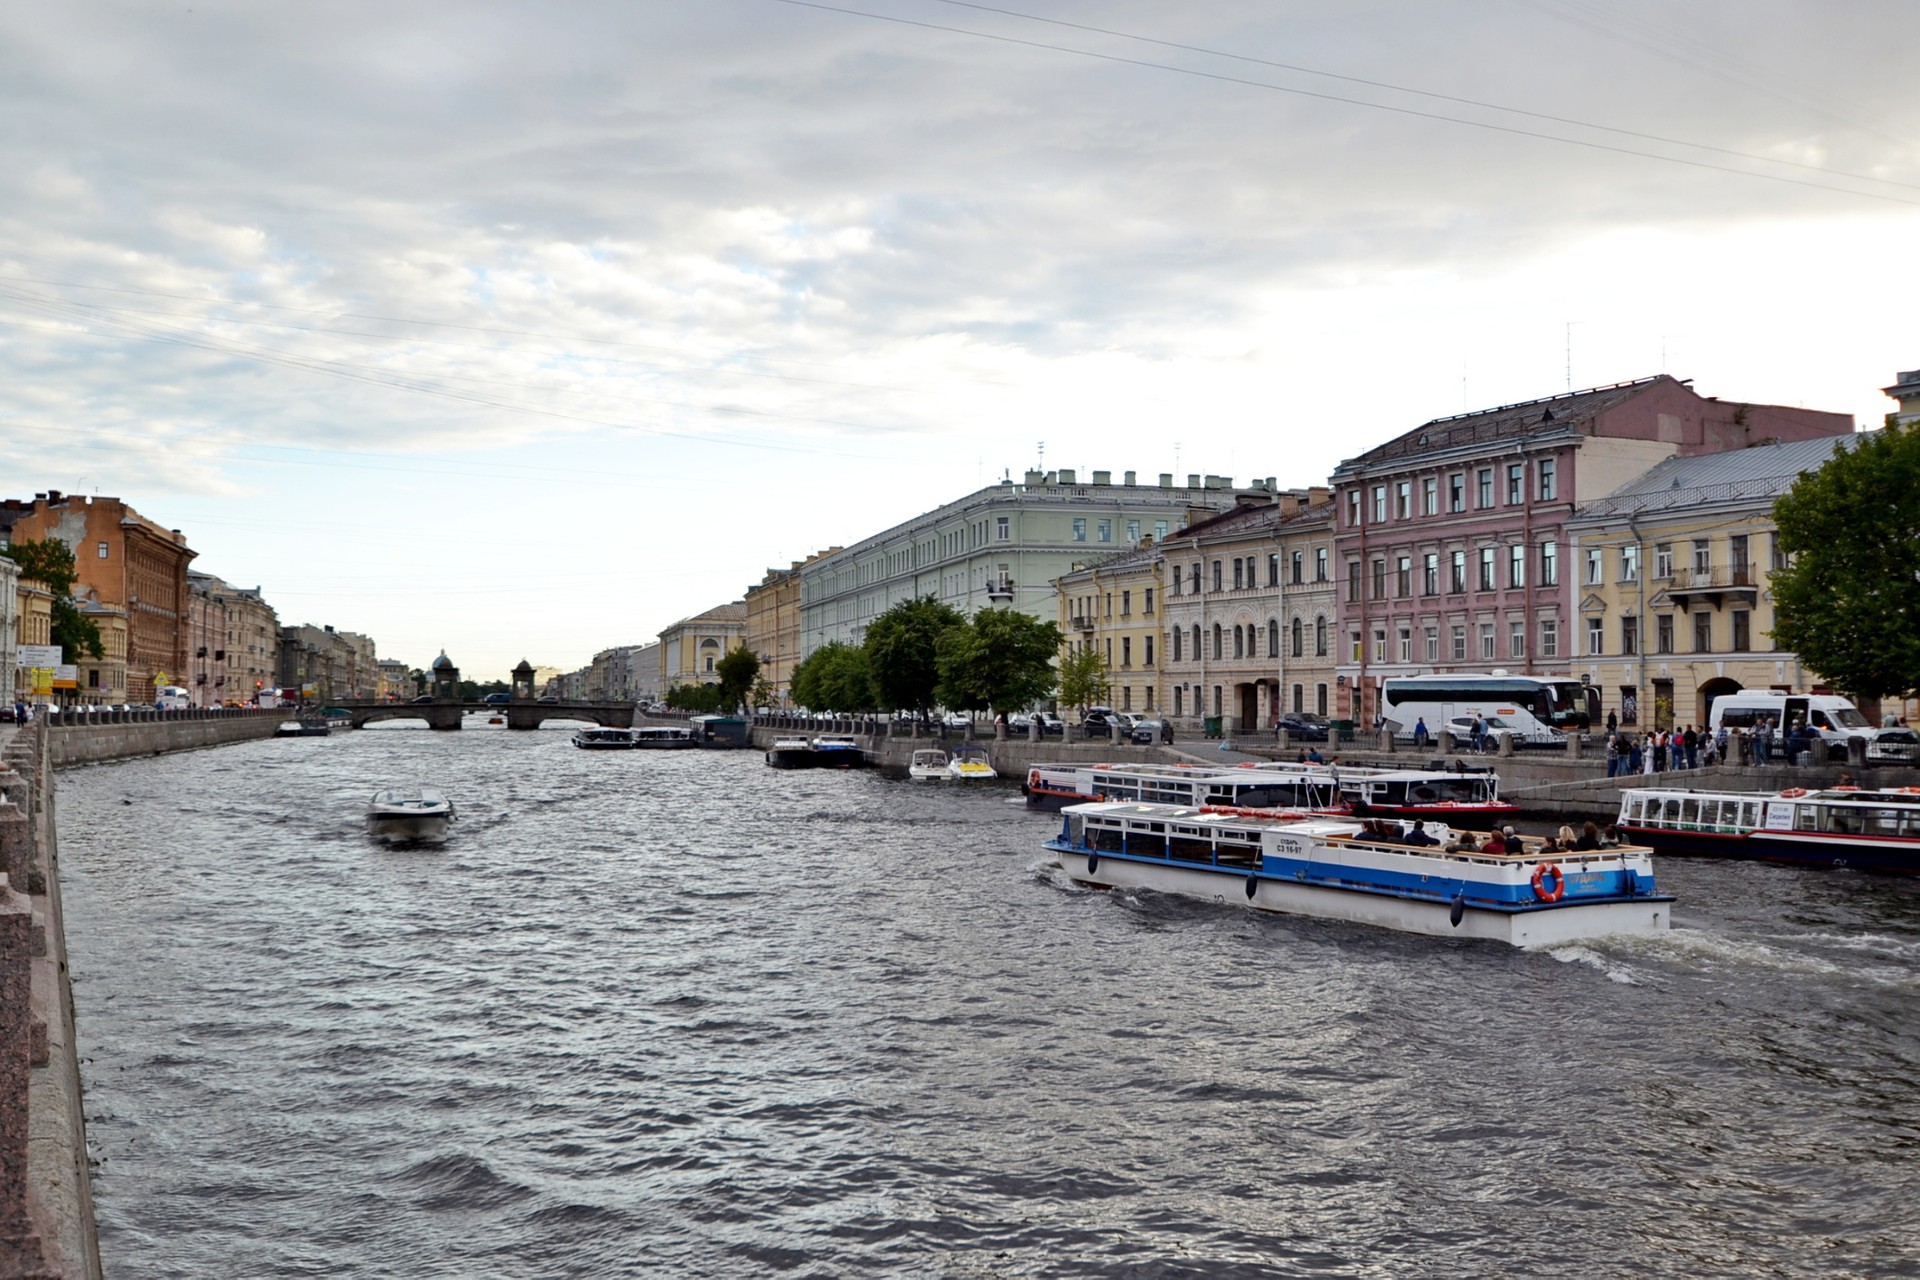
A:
x: 1146, y: 732
x: 1303, y: 728
x: 1019, y: 722
x: 1051, y: 725
x: 1461, y: 727
x: 1894, y: 746
x: 956, y: 720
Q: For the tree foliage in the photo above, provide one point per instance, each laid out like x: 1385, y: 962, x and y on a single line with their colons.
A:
x: 1848, y: 600
x: 902, y: 648
x: 737, y: 671
x: 50, y: 562
x: 1083, y: 679
x: 834, y: 677
x: 998, y: 660
x: 700, y: 699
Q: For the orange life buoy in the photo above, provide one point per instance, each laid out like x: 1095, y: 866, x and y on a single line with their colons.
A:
x: 1540, y: 875
x: 1793, y: 793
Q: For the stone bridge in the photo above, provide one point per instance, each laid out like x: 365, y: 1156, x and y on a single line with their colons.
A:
x: 447, y: 713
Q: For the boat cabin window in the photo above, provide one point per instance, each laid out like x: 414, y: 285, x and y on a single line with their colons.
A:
x: 1811, y: 817
x: 1146, y: 841
x: 1107, y: 839
x: 1076, y: 831
x: 1188, y: 845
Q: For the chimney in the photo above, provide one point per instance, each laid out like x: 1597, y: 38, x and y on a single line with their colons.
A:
x: 1066, y: 476
x: 1193, y: 479
x: 1166, y: 479
x: 1129, y: 479
x: 1103, y: 477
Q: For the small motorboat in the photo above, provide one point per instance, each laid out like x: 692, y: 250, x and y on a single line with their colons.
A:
x: 409, y: 813
x: 310, y: 727
x: 970, y: 764
x: 838, y: 751
x: 790, y: 752
x: 928, y: 765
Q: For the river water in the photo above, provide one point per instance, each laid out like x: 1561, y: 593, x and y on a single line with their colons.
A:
x: 680, y: 1015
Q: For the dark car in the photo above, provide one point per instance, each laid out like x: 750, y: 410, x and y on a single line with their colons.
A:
x: 498, y: 699
x: 549, y: 701
x: 425, y: 697
x: 1302, y: 728
x: 1098, y: 722
x: 1147, y: 732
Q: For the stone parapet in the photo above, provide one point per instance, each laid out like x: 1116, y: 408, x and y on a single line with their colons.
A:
x: 94, y: 743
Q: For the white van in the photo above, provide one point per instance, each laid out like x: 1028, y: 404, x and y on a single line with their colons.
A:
x: 1837, y: 719
x: 171, y: 697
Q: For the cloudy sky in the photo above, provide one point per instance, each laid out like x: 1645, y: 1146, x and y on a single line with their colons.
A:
x: 527, y: 329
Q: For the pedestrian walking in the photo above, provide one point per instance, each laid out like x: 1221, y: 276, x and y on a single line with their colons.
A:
x: 1613, y: 755
x: 1420, y: 735
x: 1693, y: 748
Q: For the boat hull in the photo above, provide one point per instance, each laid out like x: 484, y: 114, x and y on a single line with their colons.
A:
x: 408, y: 826
x: 1807, y: 849
x: 1542, y: 925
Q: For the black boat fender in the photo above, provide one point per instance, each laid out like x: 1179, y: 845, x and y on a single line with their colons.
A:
x: 1459, y: 910
x: 1253, y: 884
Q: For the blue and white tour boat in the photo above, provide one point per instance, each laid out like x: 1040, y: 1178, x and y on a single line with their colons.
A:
x: 1866, y: 829
x: 1340, y: 870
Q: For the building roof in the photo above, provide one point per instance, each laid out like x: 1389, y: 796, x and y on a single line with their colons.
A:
x: 735, y: 612
x: 1759, y: 471
x: 1559, y: 415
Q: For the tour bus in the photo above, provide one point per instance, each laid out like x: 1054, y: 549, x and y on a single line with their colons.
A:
x: 171, y: 697
x: 1529, y: 708
x: 1835, y: 717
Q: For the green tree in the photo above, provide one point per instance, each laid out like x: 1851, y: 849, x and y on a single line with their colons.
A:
x: 902, y: 647
x: 999, y: 660
x: 737, y: 671
x: 50, y: 562
x: 1848, y: 599
x: 1083, y: 679
x: 834, y: 677
x: 698, y: 699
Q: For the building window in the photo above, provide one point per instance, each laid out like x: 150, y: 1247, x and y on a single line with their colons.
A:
x: 1273, y: 569
x: 1219, y: 645
x: 1549, y: 639
x: 103, y: 551
x: 1147, y: 643
x: 1320, y: 699
x: 1403, y: 500
x: 1079, y: 528
x: 1319, y: 637
x: 1547, y: 477
x: 1703, y: 632
x: 1379, y: 646
x: 1741, y: 573
x: 1459, y: 644
x: 1236, y: 573
x: 1486, y: 640
x: 1662, y: 561
x: 1486, y: 568
x: 1354, y: 653
x: 1104, y: 531
x: 1174, y: 656
x: 1126, y: 651
x: 1596, y: 636
x: 1379, y: 504
x: 1353, y: 580
x: 1549, y: 563
x: 1777, y: 557
x: 1430, y: 497
x: 1297, y: 566
x: 1459, y: 574
x: 1430, y: 573
x: 1702, y: 557
x: 1353, y: 508
x: 1484, y: 482
x: 1238, y: 652
x: 1126, y: 604
x: 1404, y: 574
x: 1196, y: 577
x: 1299, y: 638
x: 1198, y: 652
x: 1321, y: 567
x: 1630, y: 564
x: 1147, y: 602
x: 1004, y: 528
x: 1516, y: 484
x: 1133, y: 533
x: 1596, y: 567
x: 1663, y: 633
x: 1742, y: 636
x: 1629, y: 637
x: 1517, y: 565
x: 1379, y: 579
x: 1299, y: 698
x: 1406, y: 644
x: 1178, y: 693
x: 1273, y: 637
x: 1216, y: 575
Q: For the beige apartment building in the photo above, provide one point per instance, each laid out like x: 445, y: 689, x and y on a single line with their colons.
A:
x: 773, y: 626
x: 1113, y: 607
x: 233, y: 641
x: 1672, y: 602
x: 691, y: 648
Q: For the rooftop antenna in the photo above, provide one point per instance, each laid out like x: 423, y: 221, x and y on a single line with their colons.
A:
x: 1570, y: 325
x: 1043, y: 456
x: 1176, y: 457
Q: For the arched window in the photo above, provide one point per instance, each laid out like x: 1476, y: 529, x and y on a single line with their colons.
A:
x: 1299, y: 638
x: 1219, y: 647
x: 1238, y: 652
x: 1198, y: 652
x: 1320, y: 637
x: 1273, y: 637
x: 1176, y: 644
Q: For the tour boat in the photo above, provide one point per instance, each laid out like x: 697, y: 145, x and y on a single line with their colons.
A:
x: 1462, y: 795
x: 793, y: 752
x: 415, y: 813
x: 970, y: 764
x: 837, y: 751
x: 1869, y: 830
x: 1055, y: 786
x: 1333, y: 869
x: 929, y: 764
x: 662, y: 737
x: 605, y: 739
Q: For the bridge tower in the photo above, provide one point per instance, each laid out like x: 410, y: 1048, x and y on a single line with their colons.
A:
x: 446, y: 678
x: 523, y: 682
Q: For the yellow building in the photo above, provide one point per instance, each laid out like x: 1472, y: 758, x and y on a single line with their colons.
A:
x: 773, y: 626
x: 1112, y: 607
x: 1672, y: 606
x: 691, y: 649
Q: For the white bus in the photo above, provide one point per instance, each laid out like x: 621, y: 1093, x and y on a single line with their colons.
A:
x: 1529, y: 708
x: 171, y: 697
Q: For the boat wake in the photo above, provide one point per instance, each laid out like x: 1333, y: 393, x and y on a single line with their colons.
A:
x: 1611, y: 966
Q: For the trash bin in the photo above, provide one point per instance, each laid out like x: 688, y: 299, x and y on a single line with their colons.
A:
x: 1213, y: 726
x: 1804, y: 759
x: 1340, y: 731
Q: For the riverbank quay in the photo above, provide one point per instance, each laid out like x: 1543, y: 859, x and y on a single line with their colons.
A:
x: 94, y: 737
x: 46, y: 1201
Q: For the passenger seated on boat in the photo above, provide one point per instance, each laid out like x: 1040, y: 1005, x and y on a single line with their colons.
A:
x: 1495, y: 843
x: 1417, y: 835
x: 1464, y: 843
x: 1589, y: 838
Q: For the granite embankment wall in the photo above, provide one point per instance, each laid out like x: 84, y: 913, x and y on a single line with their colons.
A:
x: 97, y: 736
x: 46, y: 1204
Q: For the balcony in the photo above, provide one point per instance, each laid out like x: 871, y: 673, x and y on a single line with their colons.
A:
x: 1079, y: 621
x: 1714, y: 585
x: 1001, y: 589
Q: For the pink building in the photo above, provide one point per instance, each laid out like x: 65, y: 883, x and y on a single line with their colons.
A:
x: 1450, y: 539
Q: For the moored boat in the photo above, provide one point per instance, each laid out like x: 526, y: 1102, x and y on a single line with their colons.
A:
x: 1869, y: 830
x: 838, y: 751
x: 309, y: 727
x: 970, y: 764
x: 662, y: 737
x: 929, y: 764
x: 409, y: 813
x: 790, y: 752
x: 1054, y: 787
x: 605, y: 739
x: 1333, y: 869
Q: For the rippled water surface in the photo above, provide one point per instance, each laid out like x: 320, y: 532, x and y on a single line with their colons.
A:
x: 678, y: 1014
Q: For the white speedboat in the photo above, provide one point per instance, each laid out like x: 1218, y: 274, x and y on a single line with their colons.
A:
x: 929, y: 764
x: 970, y: 764
x: 409, y: 813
